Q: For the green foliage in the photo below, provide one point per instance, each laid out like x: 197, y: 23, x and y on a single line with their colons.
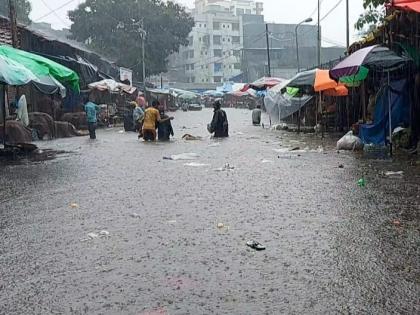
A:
x: 23, y: 8
x: 374, y: 13
x: 115, y: 29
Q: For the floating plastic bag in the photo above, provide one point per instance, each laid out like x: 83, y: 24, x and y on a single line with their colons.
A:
x: 350, y: 142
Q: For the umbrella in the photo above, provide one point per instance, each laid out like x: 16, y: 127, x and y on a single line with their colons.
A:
x: 213, y: 93
x: 318, y: 79
x: 47, y: 71
x: 188, y: 96
x: 375, y: 58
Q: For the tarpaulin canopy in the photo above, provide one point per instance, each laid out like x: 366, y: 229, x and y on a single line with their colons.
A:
x: 14, y: 73
x: 376, y: 58
x: 263, y: 83
x: 112, y: 86
x: 413, y: 5
x: 42, y: 67
x: 213, y: 93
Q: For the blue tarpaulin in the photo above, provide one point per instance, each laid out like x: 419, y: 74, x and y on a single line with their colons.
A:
x: 377, y: 132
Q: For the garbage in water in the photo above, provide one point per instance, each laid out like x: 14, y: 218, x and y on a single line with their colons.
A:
x: 320, y: 149
x: 217, y: 144
x: 220, y: 225
x: 350, y: 142
x: 361, y: 182
x: 295, y: 149
x: 255, y: 245
x: 391, y: 173
x: 189, y: 137
x: 74, y: 205
x: 193, y: 164
x: 266, y: 161
x: 121, y: 131
x: 182, y: 156
x: 396, y: 222
x: 172, y: 221
x: 92, y: 235
x: 135, y: 215
x: 226, y: 167
x: 103, y: 233
x: 341, y: 166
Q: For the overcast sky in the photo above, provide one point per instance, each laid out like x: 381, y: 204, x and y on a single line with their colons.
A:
x: 281, y: 11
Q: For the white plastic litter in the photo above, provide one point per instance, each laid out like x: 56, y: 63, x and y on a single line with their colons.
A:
x: 227, y: 167
x: 93, y: 235
x: 103, y: 233
x: 217, y: 144
x: 391, y: 173
x: 266, y: 161
x: 135, y: 215
x: 350, y: 142
x: 194, y: 164
x: 185, y: 156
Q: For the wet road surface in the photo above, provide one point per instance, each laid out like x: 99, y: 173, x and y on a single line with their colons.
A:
x: 332, y: 247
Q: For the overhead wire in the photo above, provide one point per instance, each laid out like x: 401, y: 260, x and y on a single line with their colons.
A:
x: 52, y: 11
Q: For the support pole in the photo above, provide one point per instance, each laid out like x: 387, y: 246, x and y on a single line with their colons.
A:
x: 389, y: 114
x: 347, y: 26
x: 13, y: 24
x: 319, y: 34
x: 3, y: 108
x: 268, y: 50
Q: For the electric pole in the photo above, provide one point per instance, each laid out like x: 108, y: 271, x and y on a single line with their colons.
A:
x: 319, y: 34
x: 13, y: 24
x: 347, y: 26
x: 268, y: 50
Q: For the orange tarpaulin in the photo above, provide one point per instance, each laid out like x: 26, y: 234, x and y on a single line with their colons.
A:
x: 413, y: 5
x: 323, y: 81
x: 339, y: 90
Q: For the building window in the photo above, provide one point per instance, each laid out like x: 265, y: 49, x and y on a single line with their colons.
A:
x: 235, y: 26
x: 248, y: 11
x: 217, y: 79
x: 229, y: 39
x: 192, y: 66
x: 237, y: 66
x: 199, y: 25
x: 224, y: 25
x: 205, y: 25
x: 191, y: 55
x: 237, y: 53
x: 240, y: 11
x: 185, y: 54
x: 217, y: 67
x: 236, y: 39
x: 216, y: 39
x: 192, y: 79
x: 187, y: 67
x: 217, y: 53
x: 223, y: 39
x: 190, y: 41
x: 216, y: 25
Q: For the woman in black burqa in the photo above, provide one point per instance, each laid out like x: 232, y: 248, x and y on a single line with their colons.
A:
x: 219, y: 125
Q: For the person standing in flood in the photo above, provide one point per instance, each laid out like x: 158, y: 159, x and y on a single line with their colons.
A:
x: 219, y: 125
x: 165, y: 129
x: 151, y: 120
x: 256, y: 116
x: 91, y: 110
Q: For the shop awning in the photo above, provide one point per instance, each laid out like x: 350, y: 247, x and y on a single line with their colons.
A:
x: 412, y: 5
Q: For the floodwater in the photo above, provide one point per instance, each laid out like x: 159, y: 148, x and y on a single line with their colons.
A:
x: 332, y: 247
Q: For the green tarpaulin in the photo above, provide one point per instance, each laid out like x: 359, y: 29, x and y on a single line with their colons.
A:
x: 42, y: 67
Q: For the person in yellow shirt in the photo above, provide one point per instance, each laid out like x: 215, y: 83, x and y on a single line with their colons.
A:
x: 151, y: 119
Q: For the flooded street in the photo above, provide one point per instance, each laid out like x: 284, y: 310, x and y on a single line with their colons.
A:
x: 112, y: 227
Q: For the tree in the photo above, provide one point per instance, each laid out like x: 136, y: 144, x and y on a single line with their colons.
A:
x: 374, y: 13
x: 23, y: 8
x: 115, y: 29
